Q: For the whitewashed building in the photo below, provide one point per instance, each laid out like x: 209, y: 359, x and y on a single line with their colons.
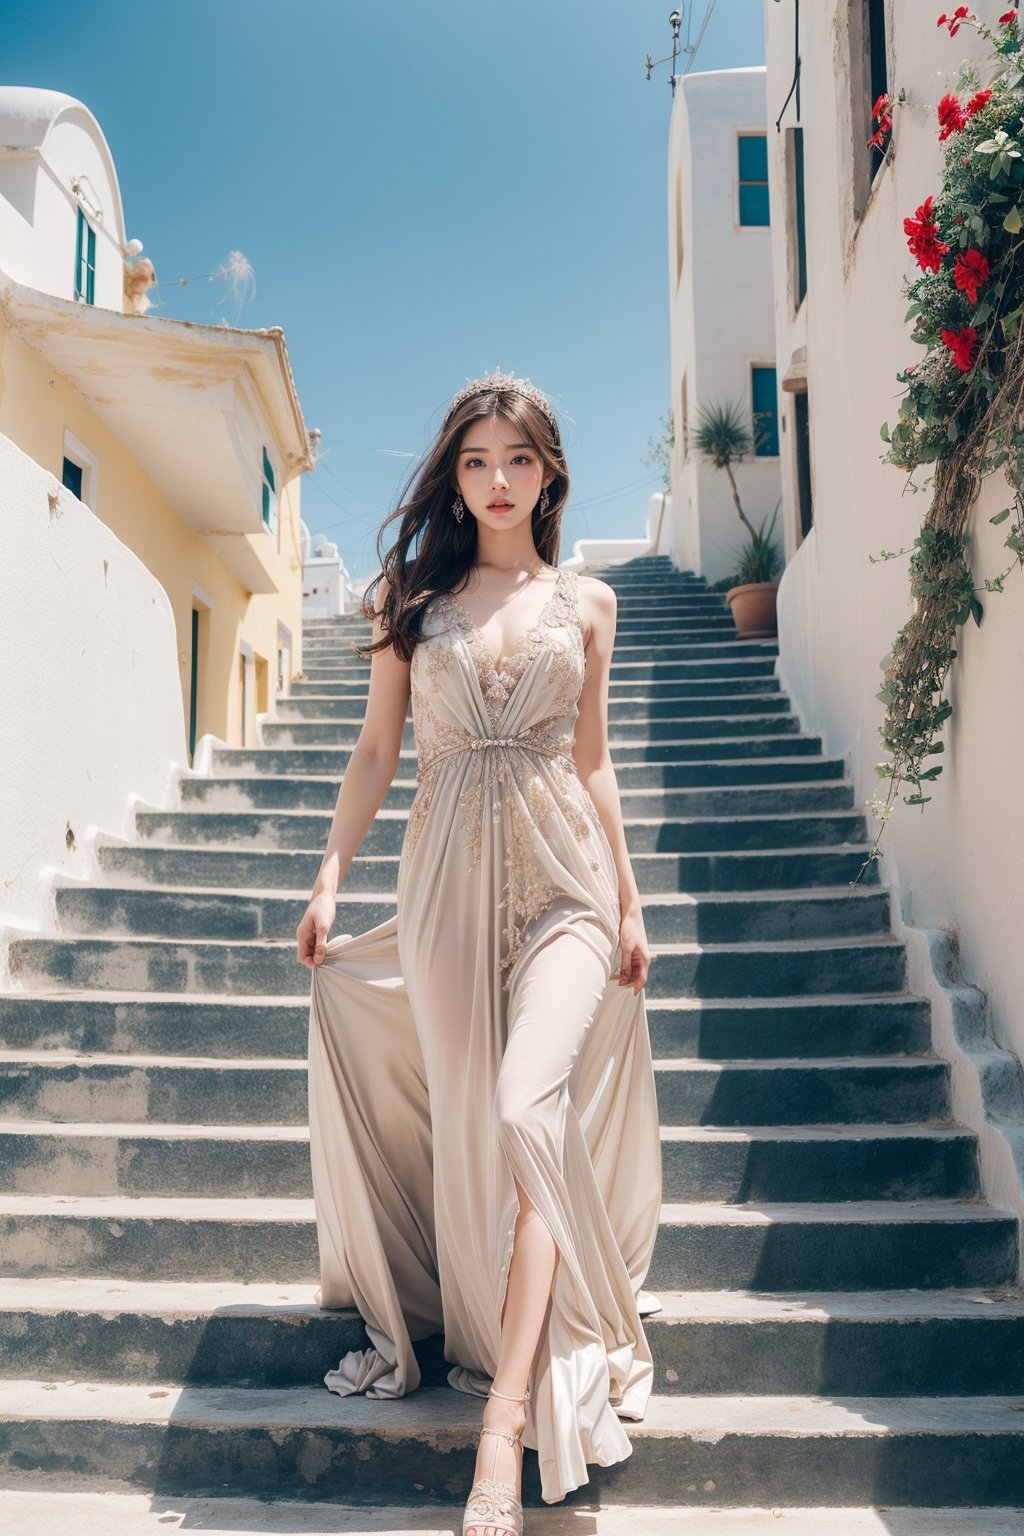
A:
x: 720, y: 300
x: 956, y: 865
x: 151, y: 581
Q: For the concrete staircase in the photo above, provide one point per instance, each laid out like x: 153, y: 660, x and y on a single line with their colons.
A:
x: 842, y: 1341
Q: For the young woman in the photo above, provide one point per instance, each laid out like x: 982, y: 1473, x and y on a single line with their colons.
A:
x: 483, y: 1121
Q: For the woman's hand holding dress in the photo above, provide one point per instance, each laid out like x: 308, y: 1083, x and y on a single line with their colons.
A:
x: 316, y: 924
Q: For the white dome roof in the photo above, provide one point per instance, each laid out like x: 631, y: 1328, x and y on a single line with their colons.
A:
x: 26, y: 112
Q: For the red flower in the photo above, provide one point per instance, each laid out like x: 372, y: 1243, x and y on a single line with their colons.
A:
x: 922, y: 237
x: 962, y: 343
x: 951, y: 116
x: 970, y: 269
x: 1006, y: 18
x: 961, y: 13
x: 882, y: 110
x: 976, y: 102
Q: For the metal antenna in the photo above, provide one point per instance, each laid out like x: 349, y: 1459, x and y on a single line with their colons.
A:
x: 674, y: 21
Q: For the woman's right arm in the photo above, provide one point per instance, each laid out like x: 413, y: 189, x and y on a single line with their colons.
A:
x: 372, y: 766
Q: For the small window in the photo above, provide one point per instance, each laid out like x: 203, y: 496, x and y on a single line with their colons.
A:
x: 269, y: 494
x: 85, y: 260
x: 753, y: 177
x: 71, y: 476
x: 765, y: 412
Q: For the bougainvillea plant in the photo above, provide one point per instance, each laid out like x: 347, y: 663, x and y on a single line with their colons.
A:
x: 963, y: 409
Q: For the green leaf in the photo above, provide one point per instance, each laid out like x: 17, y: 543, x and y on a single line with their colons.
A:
x: 885, y: 431
x: 1012, y: 222
x: 1001, y: 517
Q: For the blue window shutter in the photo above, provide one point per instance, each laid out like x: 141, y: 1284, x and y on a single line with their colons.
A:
x: 71, y: 476
x: 765, y: 411
x: 79, y: 225
x: 752, y: 162
x: 90, y: 283
x: 269, y: 491
x: 753, y: 157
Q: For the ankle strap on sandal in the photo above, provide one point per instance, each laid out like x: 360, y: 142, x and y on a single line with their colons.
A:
x: 525, y: 1398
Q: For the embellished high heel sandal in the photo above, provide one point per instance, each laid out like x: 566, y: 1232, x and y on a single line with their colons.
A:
x: 493, y: 1504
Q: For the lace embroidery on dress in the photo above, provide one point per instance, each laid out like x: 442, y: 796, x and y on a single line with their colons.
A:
x: 525, y: 796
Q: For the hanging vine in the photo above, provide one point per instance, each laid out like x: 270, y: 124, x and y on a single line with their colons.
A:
x: 963, y: 409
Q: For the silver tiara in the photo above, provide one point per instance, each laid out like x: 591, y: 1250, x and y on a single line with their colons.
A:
x: 499, y: 380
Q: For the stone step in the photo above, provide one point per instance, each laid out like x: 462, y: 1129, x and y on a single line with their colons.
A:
x: 749, y: 1028
x: 708, y: 917
x: 848, y: 1245
x: 712, y: 773
x: 699, y: 676
x: 635, y: 626
x: 968, y: 1342
x: 642, y: 756
x: 822, y: 1091
x: 699, y: 646
x: 704, y: 1449
x: 753, y: 1162
x: 680, y: 701
x: 260, y: 967
x: 35, y: 1513
x: 732, y: 719
x: 229, y: 1028
x: 675, y: 661
x: 320, y: 794
x: 272, y: 1091
x: 283, y: 830
x: 631, y: 701
x: 252, y: 869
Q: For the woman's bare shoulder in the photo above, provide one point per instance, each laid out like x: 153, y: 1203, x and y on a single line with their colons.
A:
x: 598, y: 604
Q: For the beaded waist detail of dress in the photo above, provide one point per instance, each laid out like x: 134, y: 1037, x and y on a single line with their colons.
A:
x: 479, y: 743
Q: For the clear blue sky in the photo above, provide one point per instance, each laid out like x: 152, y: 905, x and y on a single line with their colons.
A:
x: 424, y: 191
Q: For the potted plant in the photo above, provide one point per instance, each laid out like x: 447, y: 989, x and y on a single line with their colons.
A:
x: 753, y: 586
x: 722, y: 439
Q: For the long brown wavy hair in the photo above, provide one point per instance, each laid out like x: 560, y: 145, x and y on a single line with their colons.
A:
x: 445, y: 549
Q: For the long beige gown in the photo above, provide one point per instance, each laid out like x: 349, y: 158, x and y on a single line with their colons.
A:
x: 481, y: 1033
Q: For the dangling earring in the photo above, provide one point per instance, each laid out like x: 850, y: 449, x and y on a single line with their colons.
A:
x: 543, y: 501
x: 458, y: 507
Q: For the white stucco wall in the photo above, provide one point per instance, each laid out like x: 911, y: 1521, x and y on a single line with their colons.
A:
x: 92, y: 705
x: 721, y: 307
x: 48, y: 139
x: 958, y: 863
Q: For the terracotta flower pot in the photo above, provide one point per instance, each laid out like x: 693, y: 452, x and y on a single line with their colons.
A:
x: 753, y: 609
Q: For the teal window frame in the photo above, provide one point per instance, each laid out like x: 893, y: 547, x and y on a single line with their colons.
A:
x: 85, y: 260
x: 752, y: 178
x: 764, y: 409
x: 269, y: 490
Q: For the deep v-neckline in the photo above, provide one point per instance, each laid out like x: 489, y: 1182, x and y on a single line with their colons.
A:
x: 476, y: 633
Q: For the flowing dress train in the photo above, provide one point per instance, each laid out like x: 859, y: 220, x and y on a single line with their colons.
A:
x: 480, y: 1036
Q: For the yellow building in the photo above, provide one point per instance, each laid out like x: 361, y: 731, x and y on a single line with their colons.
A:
x: 186, y: 440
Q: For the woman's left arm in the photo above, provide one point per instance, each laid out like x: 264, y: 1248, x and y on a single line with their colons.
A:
x: 598, y: 609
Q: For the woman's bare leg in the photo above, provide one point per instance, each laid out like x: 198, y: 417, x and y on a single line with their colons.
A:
x: 530, y: 1274
x: 548, y: 1022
